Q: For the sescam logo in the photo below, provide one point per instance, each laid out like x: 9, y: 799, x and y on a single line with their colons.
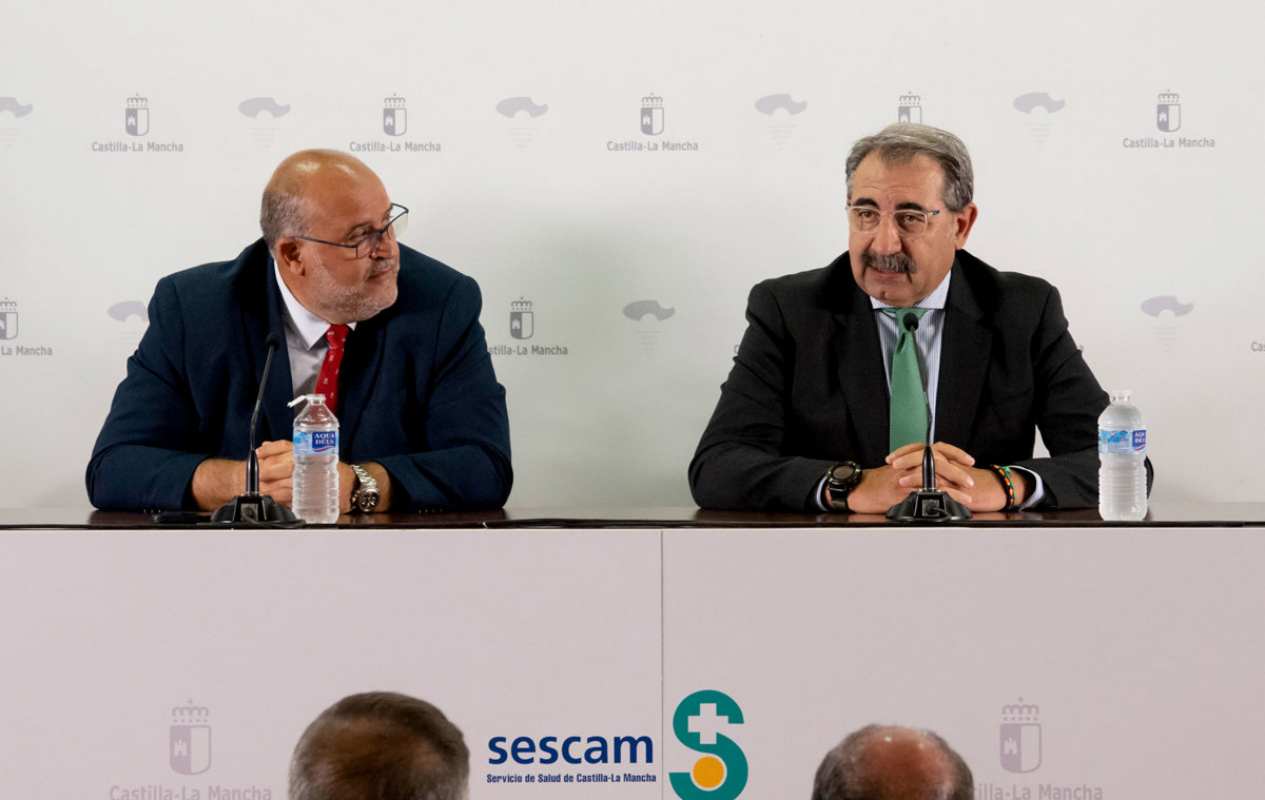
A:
x: 721, y: 773
x: 571, y: 759
x: 572, y: 750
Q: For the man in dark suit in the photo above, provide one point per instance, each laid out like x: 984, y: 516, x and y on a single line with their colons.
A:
x: 823, y: 409
x: 389, y: 335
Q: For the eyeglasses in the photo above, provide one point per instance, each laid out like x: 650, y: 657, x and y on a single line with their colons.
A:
x: 369, y: 242
x: 909, y: 221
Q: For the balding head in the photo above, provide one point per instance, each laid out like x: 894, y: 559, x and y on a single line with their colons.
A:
x: 298, y: 185
x: 330, y: 226
x: 882, y: 762
x: 380, y: 746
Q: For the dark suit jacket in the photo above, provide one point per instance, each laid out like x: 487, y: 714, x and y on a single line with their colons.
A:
x: 418, y: 394
x: 808, y: 389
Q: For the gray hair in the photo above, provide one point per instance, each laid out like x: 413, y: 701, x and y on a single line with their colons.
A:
x: 846, y: 774
x: 281, y: 214
x: 900, y: 142
x: 382, y: 745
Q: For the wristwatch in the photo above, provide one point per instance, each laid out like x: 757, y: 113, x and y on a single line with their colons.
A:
x: 364, y: 494
x: 841, y: 479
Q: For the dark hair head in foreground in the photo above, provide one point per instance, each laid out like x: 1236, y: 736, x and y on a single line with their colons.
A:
x: 880, y: 762
x: 380, y: 746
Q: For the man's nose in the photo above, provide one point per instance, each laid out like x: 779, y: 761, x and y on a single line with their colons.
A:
x: 886, y: 236
x: 383, y: 245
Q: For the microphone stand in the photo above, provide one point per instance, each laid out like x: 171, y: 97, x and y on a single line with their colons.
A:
x: 253, y: 509
x: 927, y: 504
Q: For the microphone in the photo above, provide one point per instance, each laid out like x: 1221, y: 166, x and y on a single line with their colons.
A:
x: 927, y: 504
x: 252, y: 461
x: 253, y: 508
x: 928, y: 458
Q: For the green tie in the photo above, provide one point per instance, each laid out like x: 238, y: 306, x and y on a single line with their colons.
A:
x: 909, y: 409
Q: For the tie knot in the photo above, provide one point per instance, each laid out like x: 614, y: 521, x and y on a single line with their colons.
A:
x: 336, y: 335
x: 899, y: 314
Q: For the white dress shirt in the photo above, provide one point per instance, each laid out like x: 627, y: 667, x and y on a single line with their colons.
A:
x: 305, y: 339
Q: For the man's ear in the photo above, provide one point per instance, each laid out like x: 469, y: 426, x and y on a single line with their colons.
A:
x: 290, y: 256
x: 965, y: 220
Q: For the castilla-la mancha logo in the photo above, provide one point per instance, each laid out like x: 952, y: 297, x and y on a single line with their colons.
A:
x: 1168, y: 111
x: 909, y: 109
x: 522, y: 319
x: 1021, y: 737
x: 8, y: 319
x: 190, y: 739
x: 394, y: 116
x: 136, y: 115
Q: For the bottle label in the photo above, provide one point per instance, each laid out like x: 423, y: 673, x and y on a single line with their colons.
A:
x: 315, y: 443
x: 1128, y: 442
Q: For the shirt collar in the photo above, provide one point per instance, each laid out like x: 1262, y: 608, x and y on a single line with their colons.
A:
x: 934, y: 300
x: 310, y: 328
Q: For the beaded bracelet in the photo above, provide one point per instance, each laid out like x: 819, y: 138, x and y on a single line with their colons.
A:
x: 1003, y: 474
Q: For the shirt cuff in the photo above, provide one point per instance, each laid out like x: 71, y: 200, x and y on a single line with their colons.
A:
x: 1038, y: 489
x: 821, y: 484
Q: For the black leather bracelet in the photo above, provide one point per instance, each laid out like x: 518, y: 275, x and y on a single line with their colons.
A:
x: 1007, y: 483
x: 841, y: 479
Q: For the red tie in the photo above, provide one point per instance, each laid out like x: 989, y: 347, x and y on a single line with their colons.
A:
x: 327, y: 380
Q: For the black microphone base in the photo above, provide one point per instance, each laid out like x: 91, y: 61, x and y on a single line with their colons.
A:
x: 928, y: 505
x: 253, y: 509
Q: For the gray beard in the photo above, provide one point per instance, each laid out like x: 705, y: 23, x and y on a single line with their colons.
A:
x: 355, y: 304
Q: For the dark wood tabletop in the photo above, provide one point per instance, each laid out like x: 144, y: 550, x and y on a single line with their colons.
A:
x: 1163, y: 514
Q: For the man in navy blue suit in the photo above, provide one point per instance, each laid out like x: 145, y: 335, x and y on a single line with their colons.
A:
x: 391, y: 334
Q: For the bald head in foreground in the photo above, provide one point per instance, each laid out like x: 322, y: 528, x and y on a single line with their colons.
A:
x: 380, y: 746
x: 881, y: 762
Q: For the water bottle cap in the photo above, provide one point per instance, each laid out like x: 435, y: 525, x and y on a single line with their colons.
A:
x: 311, y: 399
x: 1121, y: 395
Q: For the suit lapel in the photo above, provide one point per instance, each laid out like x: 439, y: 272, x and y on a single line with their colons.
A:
x: 261, y: 316
x: 964, y: 357
x: 359, y: 372
x: 861, y: 372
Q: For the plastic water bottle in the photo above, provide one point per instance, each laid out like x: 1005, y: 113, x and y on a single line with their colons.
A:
x: 1121, y: 457
x: 315, y: 475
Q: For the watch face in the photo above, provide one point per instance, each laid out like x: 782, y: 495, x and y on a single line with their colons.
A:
x: 367, y: 501
x: 842, y: 473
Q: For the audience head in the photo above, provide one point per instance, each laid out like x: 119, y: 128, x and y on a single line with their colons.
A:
x: 380, y: 746
x: 880, y: 762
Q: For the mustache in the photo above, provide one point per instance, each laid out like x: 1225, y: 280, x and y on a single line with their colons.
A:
x: 385, y: 265
x: 894, y: 262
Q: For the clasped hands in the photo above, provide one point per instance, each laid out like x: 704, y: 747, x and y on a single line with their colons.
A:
x: 216, y: 481
x: 956, y: 474
x: 276, y: 469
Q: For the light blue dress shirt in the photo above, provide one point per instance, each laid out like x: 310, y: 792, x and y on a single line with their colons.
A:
x: 928, y: 337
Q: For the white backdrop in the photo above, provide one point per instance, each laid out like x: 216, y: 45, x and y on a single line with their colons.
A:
x: 542, y: 209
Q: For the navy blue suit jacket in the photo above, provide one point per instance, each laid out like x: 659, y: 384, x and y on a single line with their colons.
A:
x: 417, y: 392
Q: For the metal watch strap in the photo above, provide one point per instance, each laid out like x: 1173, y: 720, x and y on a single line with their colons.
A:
x: 364, y: 483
